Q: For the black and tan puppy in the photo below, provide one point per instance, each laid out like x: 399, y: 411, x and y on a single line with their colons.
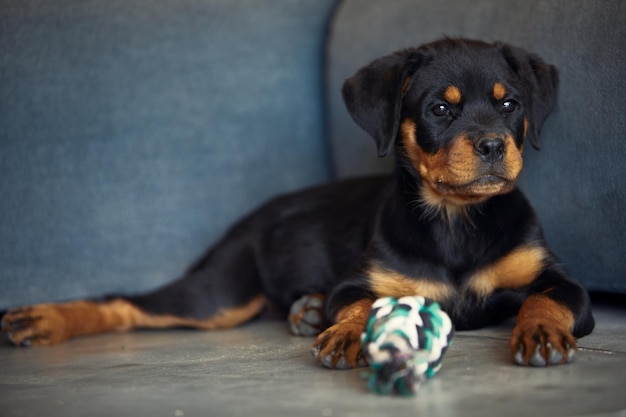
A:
x: 448, y: 224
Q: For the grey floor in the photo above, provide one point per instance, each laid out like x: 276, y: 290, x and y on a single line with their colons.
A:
x: 260, y: 370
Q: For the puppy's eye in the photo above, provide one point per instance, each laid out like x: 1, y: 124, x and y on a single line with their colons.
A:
x: 509, y: 106
x: 441, y: 110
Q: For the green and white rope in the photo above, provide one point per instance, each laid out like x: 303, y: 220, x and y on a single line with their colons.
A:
x: 404, y: 343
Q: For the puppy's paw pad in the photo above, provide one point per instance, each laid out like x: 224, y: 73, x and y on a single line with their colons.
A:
x: 306, y: 315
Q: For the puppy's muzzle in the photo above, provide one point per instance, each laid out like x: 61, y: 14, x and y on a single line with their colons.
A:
x: 490, y: 149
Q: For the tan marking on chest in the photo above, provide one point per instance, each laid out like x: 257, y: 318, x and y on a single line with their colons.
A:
x: 389, y: 283
x: 515, y: 270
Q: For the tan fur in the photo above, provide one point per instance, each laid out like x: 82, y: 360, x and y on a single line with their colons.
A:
x: 452, y: 95
x: 344, y: 337
x: 499, y: 91
x: 543, y: 324
x: 449, y: 173
x: 54, y: 323
x: 515, y: 270
x: 388, y: 283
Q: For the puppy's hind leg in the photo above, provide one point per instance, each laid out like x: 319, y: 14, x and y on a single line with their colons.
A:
x: 222, y: 291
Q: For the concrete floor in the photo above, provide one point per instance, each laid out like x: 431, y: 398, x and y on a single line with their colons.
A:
x: 260, y: 370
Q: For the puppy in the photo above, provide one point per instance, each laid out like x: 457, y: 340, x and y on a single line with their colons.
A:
x: 448, y: 224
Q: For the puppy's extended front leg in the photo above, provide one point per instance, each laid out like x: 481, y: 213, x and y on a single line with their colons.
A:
x: 339, y: 346
x: 550, y: 319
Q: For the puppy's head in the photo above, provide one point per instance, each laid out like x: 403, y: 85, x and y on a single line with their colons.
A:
x: 457, y: 113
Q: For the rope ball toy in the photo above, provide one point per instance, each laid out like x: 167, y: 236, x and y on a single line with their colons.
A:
x: 404, y: 343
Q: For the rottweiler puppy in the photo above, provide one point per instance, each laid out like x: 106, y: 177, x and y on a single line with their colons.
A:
x: 449, y: 223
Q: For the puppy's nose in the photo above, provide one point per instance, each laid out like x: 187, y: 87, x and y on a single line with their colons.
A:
x: 490, y: 149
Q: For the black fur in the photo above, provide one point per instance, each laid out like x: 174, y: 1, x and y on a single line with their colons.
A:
x: 320, y: 240
x: 439, y: 229
x: 294, y: 245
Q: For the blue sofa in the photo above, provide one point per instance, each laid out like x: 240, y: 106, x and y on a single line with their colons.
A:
x: 133, y: 133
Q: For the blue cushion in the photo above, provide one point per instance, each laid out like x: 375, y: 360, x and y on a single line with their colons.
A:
x: 133, y: 133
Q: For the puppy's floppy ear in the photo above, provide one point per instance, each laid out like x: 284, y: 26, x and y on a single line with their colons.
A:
x: 541, y: 82
x: 373, y: 96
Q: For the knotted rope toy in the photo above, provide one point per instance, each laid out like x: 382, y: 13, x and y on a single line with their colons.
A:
x: 404, y: 343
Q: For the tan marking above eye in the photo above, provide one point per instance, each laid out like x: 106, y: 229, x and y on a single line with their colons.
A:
x: 499, y: 91
x: 452, y: 95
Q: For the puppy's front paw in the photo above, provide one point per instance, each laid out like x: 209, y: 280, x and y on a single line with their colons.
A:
x: 339, y: 347
x: 539, y: 343
x: 305, y: 315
